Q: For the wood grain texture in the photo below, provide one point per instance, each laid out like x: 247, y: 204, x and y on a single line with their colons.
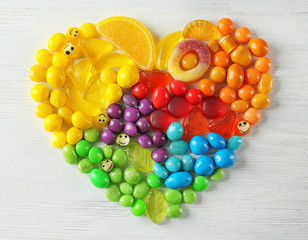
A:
x: 264, y: 196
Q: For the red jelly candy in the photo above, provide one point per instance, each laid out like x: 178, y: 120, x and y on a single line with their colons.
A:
x: 178, y: 87
x: 178, y: 107
x: 224, y: 124
x: 212, y: 107
x: 140, y: 90
x: 154, y: 79
x: 194, y: 124
x: 194, y: 96
x: 160, y: 120
x: 242, y: 127
x: 160, y: 97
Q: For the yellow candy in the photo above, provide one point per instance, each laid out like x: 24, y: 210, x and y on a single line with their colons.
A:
x: 260, y: 101
x: 127, y: 76
x: 37, y: 73
x: 73, y: 33
x: 57, y: 98
x: 94, y: 48
x: 113, y: 93
x: 44, y: 109
x: 72, y: 50
x: 88, y: 30
x: 58, y: 139
x: 40, y: 93
x: 74, y: 135
x: 55, y: 77
x: 59, y: 59
x: 95, y: 92
x: 108, y: 76
x: 81, y: 120
x: 102, y: 119
x: 265, y: 85
x: 79, y: 74
x: 66, y: 114
x: 53, y: 123
x: 56, y: 42
x: 43, y: 57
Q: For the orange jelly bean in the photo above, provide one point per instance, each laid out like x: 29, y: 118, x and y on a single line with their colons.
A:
x: 207, y: 87
x: 263, y: 64
x: 235, y: 76
x: 218, y: 74
x: 241, y: 55
x: 189, y: 61
x: 266, y: 83
x: 258, y: 47
x: 227, y: 95
x: 246, y: 92
x: 260, y: 101
x: 221, y: 59
x: 240, y: 106
x: 252, y: 115
x: 225, y: 26
x: 213, y: 45
x: 252, y: 76
x: 242, y: 35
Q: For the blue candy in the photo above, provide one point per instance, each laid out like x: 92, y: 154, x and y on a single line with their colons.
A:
x: 187, y: 163
x: 160, y: 170
x: 178, y: 180
x: 173, y: 164
x: 175, y: 131
x: 204, y: 166
x: 234, y: 142
x: 224, y: 158
x: 199, y: 145
x: 179, y: 147
x: 216, y: 140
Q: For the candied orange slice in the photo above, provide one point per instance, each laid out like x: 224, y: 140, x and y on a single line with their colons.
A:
x: 131, y: 38
x: 94, y: 48
x: 202, y: 30
x: 79, y: 74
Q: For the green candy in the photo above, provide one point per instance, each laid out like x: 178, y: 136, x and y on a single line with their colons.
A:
x: 174, y: 211
x: 83, y: 148
x: 132, y: 175
x: 154, y: 181
x: 85, y: 165
x: 127, y: 200
x: 200, y: 183
x: 91, y: 134
x: 69, y: 154
x: 141, y: 189
x: 217, y: 174
x: 189, y: 196
x: 139, y: 207
x: 107, y: 151
x: 113, y: 193
x: 126, y: 188
x: 119, y: 158
x: 99, y: 178
x: 116, y: 175
x: 173, y: 196
x: 96, y: 155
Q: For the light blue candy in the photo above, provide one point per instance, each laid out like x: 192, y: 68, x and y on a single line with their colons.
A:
x: 187, y: 163
x: 179, y: 147
x: 204, y: 166
x: 216, y: 140
x: 160, y: 170
x: 224, y: 158
x: 178, y: 180
x: 173, y: 164
x: 234, y: 142
x: 175, y: 131
x: 199, y: 145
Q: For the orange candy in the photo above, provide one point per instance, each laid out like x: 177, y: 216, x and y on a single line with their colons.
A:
x: 263, y: 64
x: 252, y: 76
x: 189, y: 61
x: 252, y: 115
x: 258, y: 47
x: 260, y: 101
x: 242, y: 35
x: 241, y: 55
x: 227, y: 95
x: 213, y: 45
x: 221, y: 59
x: 240, y: 106
x: 207, y: 87
x: 266, y: 83
x: 235, y: 76
x: 225, y: 26
x: 218, y: 74
x: 246, y: 92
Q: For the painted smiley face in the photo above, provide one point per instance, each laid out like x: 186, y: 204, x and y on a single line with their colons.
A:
x: 73, y: 33
x: 107, y: 165
x: 68, y: 49
x: 243, y: 127
x: 123, y: 140
x: 102, y: 119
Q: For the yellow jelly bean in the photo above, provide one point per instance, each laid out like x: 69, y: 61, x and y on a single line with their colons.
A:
x: 57, y: 98
x: 43, y: 57
x: 59, y: 59
x: 260, y: 101
x: 128, y: 76
x: 88, y: 30
x: 37, y: 73
x: 66, y: 114
x: 81, y: 120
x: 56, y: 42
x: 40, y: 93
x: 240, y: 106
x: 74, y: 135
x: 44, y: 109
x: 58, y: 139
x: 108, y: 76
x: 113, y: 93
x: 55, y: 77
x: 53, y: 123
x: 266, y: 83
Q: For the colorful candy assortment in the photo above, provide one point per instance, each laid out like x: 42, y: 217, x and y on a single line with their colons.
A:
x: 155, y: 153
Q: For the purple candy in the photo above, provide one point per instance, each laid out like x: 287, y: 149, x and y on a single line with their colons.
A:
x: 130, y: 100
x: 145, y: 106
x: 143, y: 125
x: 107, y: 137
x: 159, y: 155
x: 131, y: 114
x: 145, y: 141
x: 159, y: 139
x: 130, y: 129
x: 115, y: 125
x: 115, y: 111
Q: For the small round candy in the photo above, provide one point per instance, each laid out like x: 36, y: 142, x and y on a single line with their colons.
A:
x: 217, y: 174
x: 69, y: 154
x: 85, y: 166
x: 107, y: 150
x: 160, y: 170
x: 140, y: 90
x: 96, y: 155
x: 116, y: 175
x: 107, y: 165
x: 189, y: 196
x: 216, y: 140
x: 40, y: 92
x: 175, y: 131
x: 88, y: 30
x: 199, y: 145
x: 107, y: 136
x: 145, y: 106
x: 242, y: 34
x: 58, y: 139
x: 131, y: 114
x: 130, y: 129
x: 83, y: 148
x: 126, y: 200
x: 139, y: 207
x: 204, y: 166
x: 159, y: 139
x: 200, y: 183
x: 43, y: 57
x: 99, y: 178
x: 123, y: 140
x: 129, y: 100
x: 252, y: 115
x: 44, y: 109
x: 66, y: 114
x: 178, y: 88
x: 225, y: 26
x: 193, y: 96
x: 108, y: 76
x: 145, y: 141
x: 74, y: 135
x: 154, y: 181
x: 173, y: 164
x: 224, y: 158
x: 127, y: 76
x: 55, y: 77
x: 174, y: 211
x: 115, y: 125
x: 173, y: 196
x: 113, y: 193
x: 187, y: 163
x: 132, y: 175
x: 234, y: 142
x: 143, y: 125
x: 119, y: 158
x: 159, y: 155
x: 115, y: 111
x: 52, y: 123
x: 126, y: 188
x: 91, y: 134
x: 59, y: 59
x: 81, y: 120
x: 57, y: 98
x: 37, y: 73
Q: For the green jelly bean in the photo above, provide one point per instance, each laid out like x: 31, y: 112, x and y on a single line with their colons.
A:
x: 126, y: 188
x: 85, y: 165
x: 174, y: 211
x: 119, y: 158
x: 83, y: 148
x: 113, y: 193
x: 116, y: 175
x: 173, y: 196
x: 91, y: 134
x: 127, y: 201
x: 96, y: 155
x: 69, y: 154
x: 141, y: 189
x: 132, y: 175
x: 189, y: 196
x: 154, y: 181
x: 99, y: 178
x: 200, y: 183
x: 139, y: 207
x: 217, y: 174
x: 107, y: 151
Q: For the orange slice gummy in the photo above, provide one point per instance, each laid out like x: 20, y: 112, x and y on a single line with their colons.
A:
x: 202, y: 30
x: 94, y: 48
x: 130, y: 37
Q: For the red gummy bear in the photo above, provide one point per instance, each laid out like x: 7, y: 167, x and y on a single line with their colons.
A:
x: 154, y: 79
x: 212, y: 107
x: 223, y: 125
x: 160, y: 120
x: 178, y: 107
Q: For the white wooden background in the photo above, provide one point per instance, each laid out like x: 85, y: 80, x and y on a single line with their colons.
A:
x: 264, y: 196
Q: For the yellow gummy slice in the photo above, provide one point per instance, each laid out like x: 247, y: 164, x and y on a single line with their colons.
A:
x: 130, y: 37
x: 79, y: 74
x: 156, y: 205
x: 94, y: 48
x: 202, y: 30
x: 95, y: 92
x: 165, y: 47
x: 140, y: 157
